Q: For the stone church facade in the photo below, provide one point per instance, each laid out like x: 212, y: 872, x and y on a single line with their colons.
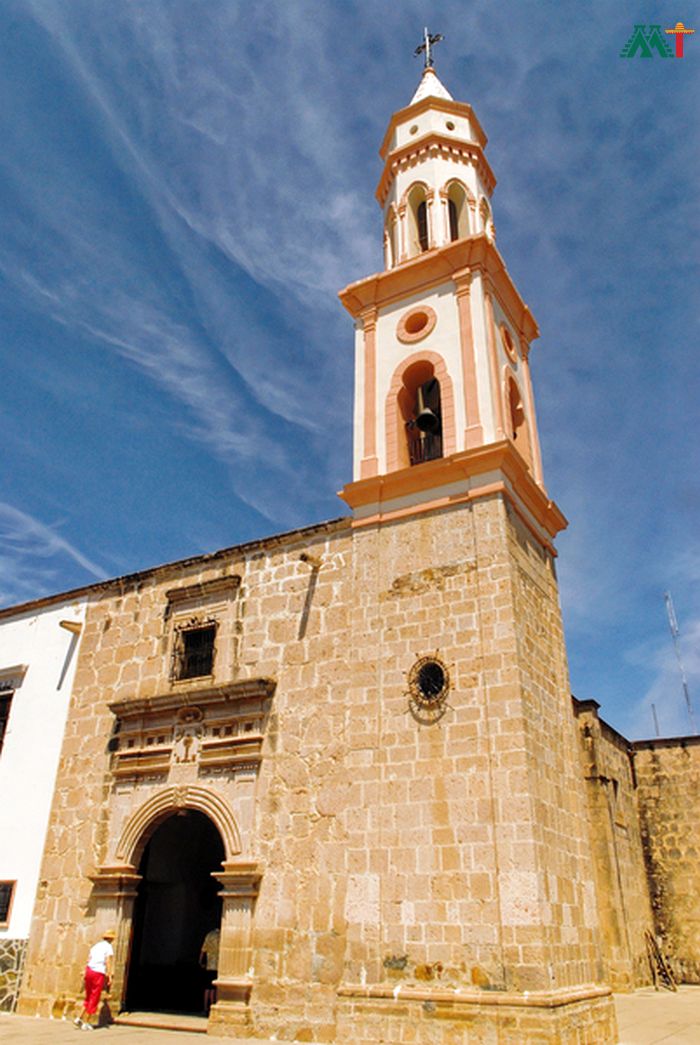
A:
x: 352, y: 746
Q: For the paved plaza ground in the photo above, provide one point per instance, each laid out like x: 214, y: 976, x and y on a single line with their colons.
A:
x: 650, y: 1017
x: 647, y: 1017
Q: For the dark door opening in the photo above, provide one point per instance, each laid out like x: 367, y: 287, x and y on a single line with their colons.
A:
x: 176, y: 905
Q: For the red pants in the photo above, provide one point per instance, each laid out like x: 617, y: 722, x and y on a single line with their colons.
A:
x: 94, y: 982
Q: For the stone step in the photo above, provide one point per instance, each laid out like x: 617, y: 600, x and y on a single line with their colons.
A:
x: 163, y: 1021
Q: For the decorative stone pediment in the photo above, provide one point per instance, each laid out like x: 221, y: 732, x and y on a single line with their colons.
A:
x: 204, y: 590
x: 193, y: 732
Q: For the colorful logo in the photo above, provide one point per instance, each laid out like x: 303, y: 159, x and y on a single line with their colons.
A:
x: 646, y: 40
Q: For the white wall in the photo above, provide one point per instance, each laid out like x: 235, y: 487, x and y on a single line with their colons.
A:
x: 29, y: 758
x: 444, y: 339
x: 432, y: 120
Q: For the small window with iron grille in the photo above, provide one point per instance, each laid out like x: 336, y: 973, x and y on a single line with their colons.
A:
x: 5, y: 704
x: 193, y: 652
x: 6, y: 891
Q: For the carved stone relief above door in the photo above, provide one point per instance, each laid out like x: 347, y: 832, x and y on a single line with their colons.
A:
x: 184, y: 736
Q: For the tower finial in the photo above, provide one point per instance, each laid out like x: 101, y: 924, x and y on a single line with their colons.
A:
x: 428, y: 41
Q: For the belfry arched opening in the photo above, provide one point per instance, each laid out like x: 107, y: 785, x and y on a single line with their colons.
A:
x: 176, y: 905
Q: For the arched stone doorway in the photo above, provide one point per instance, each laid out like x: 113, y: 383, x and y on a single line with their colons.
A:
x: 177, y: 902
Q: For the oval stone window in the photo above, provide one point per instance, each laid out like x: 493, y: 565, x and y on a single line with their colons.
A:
x: 416, y: 324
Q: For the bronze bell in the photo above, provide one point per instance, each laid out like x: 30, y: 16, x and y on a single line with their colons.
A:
x: 426, y: 419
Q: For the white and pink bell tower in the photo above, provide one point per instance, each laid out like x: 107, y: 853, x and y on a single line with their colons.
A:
x: 453, y: 572
x: 444, y: 410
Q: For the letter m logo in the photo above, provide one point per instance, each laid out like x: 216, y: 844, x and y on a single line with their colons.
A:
x: 644, y: 41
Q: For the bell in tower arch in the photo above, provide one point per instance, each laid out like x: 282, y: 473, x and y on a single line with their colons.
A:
x: 424, y: 430
x: 428, y: 406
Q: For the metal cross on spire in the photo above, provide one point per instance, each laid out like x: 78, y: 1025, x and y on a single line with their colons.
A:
x: 428, y: 41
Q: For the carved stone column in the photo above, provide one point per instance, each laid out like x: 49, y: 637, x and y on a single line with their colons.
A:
x: 241, y: 882
x: 403, y: 231
x: 431, y: 221
x: 113, y: 897
x: 444, y: 198
x: 473, y: 227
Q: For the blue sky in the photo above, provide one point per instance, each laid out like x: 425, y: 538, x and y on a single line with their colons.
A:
x: 186, y: 184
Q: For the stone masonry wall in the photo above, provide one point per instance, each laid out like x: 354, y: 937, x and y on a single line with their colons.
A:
x: 398, y: 851
x: 616, y: 844
x: 469, y: 829
x: 552, y: 877
x: 286, y: 620
x: 668, y: 774
x: 12, y: 955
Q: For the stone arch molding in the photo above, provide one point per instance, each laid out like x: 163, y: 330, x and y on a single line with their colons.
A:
x: 420, y: 184
x: 469, y: 195
x: 449, y: 438
x: 170, y: 800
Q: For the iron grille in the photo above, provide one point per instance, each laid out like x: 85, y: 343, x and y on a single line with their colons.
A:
x: 423, y: 446
x: 195, y: 653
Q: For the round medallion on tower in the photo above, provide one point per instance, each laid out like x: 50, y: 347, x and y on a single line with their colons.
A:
x: 416, y: 324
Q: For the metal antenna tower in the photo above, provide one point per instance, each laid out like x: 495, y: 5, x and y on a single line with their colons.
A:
x: 675, y: 632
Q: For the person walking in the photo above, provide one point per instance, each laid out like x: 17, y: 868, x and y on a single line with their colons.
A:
x: 97, y: 974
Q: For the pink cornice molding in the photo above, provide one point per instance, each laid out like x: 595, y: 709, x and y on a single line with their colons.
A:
x: 432, y: 144
x: 439, y: 265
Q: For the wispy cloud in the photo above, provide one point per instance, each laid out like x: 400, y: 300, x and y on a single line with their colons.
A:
x: 268, y: 188
x: 32, y: 554
x: 167, y: 305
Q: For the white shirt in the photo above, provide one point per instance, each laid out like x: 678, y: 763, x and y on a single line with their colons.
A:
x: 97, y: 960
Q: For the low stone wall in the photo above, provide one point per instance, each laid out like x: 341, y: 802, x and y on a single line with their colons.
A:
x: 569, y: 1017
x: 616, y: 846
x: 668, y: 794
x: 12, y: 955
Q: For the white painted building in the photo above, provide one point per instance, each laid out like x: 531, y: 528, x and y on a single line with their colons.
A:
x: 38, y: 655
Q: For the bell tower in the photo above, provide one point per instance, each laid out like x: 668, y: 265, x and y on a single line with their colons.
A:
x: 444, y: 401
x: 474, y: 900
